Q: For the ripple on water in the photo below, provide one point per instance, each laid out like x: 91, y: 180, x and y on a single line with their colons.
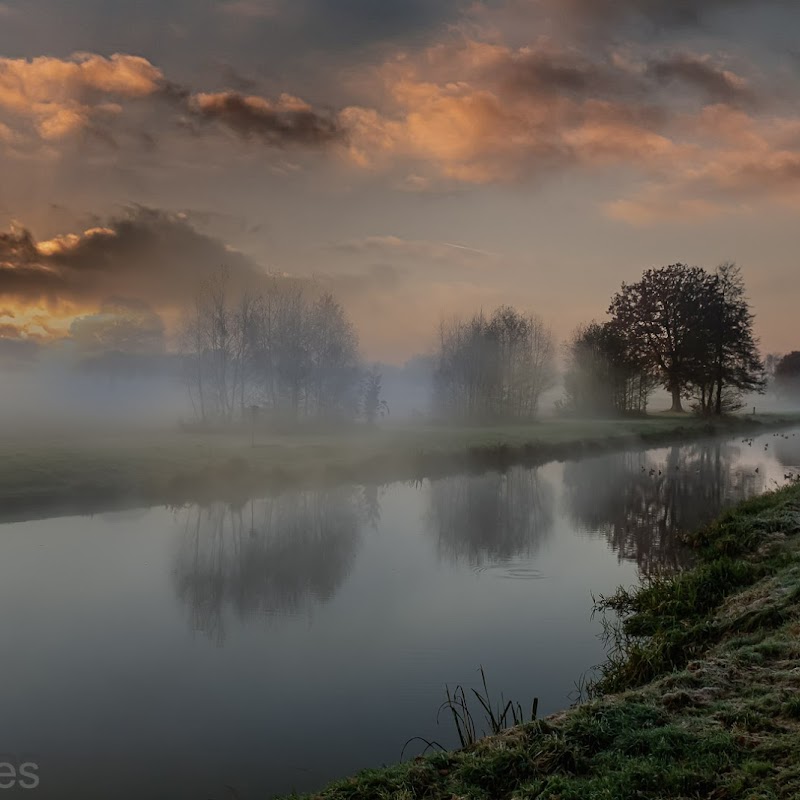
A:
x: 516, y: 572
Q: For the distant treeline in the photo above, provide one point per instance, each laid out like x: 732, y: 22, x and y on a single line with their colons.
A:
x: 293, y: 356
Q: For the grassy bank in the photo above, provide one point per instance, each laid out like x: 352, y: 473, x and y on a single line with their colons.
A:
x: 45, y: 475
x: 701, y: 700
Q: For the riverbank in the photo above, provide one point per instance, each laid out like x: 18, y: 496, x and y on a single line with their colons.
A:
x: 701, y: 698
x: 65, y: 474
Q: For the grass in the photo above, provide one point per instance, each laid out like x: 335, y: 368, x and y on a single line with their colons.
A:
x: 498, y: 716
x: 77, y: 473
x: 701, y: 698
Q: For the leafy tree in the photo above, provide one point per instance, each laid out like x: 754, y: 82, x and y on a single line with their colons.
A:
x: 730, y: 364
x: 694, y: 331
x: 658, y: 316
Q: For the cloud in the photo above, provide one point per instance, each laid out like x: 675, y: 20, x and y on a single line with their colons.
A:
x: 61, y: 96
x: 289, y: 121
x: 126, y: 102
x: 717, y: 84
x: 747, y: 160
x: 251, y: 9
x: 480, y: 113
x: 420, y: 251
x: 148, y: 254
x: 662, y: 13
x: 465, y: 110
x: 461, y: 111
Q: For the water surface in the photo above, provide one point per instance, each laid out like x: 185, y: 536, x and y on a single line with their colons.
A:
x: 227, y: 652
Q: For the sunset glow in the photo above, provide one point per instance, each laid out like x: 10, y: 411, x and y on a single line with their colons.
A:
x: 576, y: 143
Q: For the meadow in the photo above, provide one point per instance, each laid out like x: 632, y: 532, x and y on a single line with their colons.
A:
x: 82, y: 471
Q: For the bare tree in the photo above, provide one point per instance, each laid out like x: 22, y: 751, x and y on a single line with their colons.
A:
x: 292, y: 354
x: 496, y: 368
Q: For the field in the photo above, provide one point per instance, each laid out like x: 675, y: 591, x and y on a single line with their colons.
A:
x: 81, y: 472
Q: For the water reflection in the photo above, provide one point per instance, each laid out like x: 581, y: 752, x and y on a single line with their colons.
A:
x: 491, y: 518
x: 279, y: 555
x: 787, y: 451
x: 642, y: 502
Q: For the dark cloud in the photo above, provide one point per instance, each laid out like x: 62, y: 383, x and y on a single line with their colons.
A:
x: 566, y: 72
x: 146, y: 253
x: 336, y: 23
x: 190, y: 35
x: 17, y: 248
x: 717, y: 84
x: 288, y: 122
x: 666, y: 13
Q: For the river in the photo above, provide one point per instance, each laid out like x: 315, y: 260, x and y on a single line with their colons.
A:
x: 224, y: 652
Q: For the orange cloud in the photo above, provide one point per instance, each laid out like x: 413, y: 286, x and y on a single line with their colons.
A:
x: 61, y: 96
x: 481, y: 112
x: 462, y: 111
x: 739, y: 159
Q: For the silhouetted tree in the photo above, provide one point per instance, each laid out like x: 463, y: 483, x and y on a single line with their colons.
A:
x: 694, y: 331
x: 659, y: 317
x: 787, y: 375
x: 729, y: 363
x: 603, y: 376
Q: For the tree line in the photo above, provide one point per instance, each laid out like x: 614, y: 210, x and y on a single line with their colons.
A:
x: 296, y: 356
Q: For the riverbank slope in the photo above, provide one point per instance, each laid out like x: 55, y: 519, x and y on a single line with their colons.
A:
x: 64, y: 473
x: 701, y: 698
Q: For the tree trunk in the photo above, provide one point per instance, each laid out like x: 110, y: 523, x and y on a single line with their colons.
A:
x: 677, y: 405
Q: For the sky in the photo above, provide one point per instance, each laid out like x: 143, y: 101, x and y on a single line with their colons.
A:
x: 419, y: 159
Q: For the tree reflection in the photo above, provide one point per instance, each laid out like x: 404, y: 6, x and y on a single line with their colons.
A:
x: 281, y: 555
x: 643, y: 501
x: 491, y: 518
